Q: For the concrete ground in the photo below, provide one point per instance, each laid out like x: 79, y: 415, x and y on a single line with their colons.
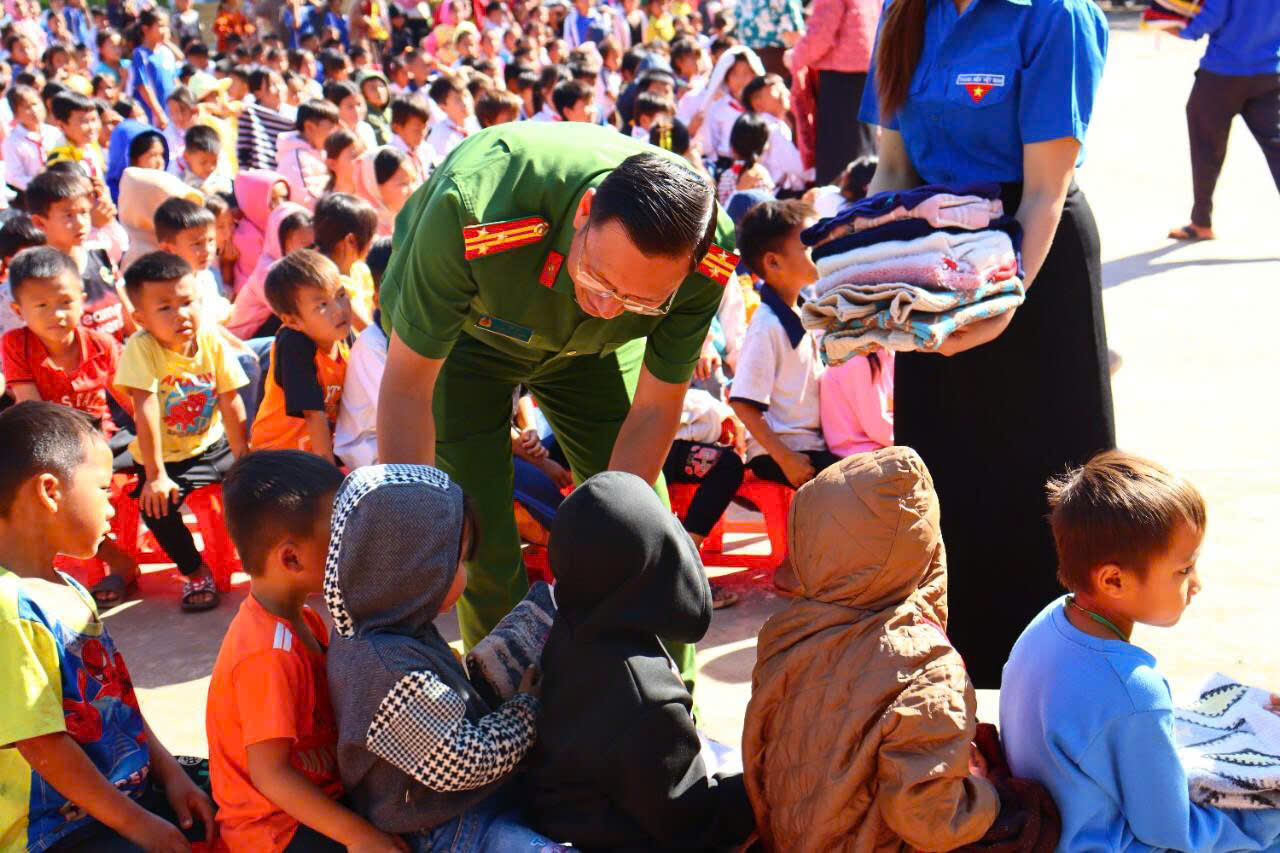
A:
x: 1192, y: 394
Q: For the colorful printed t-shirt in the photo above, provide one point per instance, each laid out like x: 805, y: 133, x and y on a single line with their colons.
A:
x: 85, y: 388
x: 187, y: 388
x: 103, y: 309
x: 60, y: 672
x: 302, y: 379
x: 266, y: 685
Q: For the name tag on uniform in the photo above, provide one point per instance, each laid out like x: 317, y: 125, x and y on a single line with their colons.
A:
x: 498, y: 326
x: 978, y: 85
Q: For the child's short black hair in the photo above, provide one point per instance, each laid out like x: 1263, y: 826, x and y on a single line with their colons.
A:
x: 494, y: 103
x: 337, y: 91
x: 142, y: 143
x: 443, y: 85
x: 67, y: 104
x: 40, y: 438
x: 565, y: 96
x: 292, y: 222
x: 293, y: 272
x: 671, y: 134
x: 649, y: 104
x: 316, y: 110
x: 855, y: 180
x: 52, y: 186
x: 766, y: 227
x: 331, y: 60
x: 41, y: 262
x: 216, y: 204
x: 204, y: 139
x: 378, y: 258
x: 20, y: 93
x: 158, y: 266
x: 176, y: 215
x: 270, y: 494
x: 182, y: 95
x: 654, y: 75
x: 408, y: 108
x: 18, y: 233
x: 339, y: 214
x: 51, y: 90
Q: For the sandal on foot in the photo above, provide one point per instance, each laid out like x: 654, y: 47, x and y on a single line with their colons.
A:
x: 1191, y: 233
x: 112, y: 590
x: 721, y: 597
x: 193, y: 591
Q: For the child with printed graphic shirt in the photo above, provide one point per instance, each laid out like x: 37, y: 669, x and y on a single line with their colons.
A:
x: 272, y: 733
x: 191, y: 423
x: 309, y: 356
x: 103, y: 777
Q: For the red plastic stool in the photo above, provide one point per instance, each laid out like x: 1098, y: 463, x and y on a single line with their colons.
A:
x: 681, y: 495
x: 92, y: 570
x: 205, y: 504
x: 536, y: 565
x: 774, y: 502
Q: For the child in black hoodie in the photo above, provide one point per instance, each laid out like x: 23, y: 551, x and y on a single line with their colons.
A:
x: 617, y: 766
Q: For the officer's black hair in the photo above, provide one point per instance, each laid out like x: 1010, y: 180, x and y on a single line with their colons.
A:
x: 340, y: 214
x: 41, y: 262
x: 665, y: 207
x: 18, y: 233
x: 153, y: 267
x: 766, y: 227
x: 176, y: 215
x: 67, y: 104
x: 40, y: 438
x: 52, y: 186
x: 202, y: 138
x: 271, y: 494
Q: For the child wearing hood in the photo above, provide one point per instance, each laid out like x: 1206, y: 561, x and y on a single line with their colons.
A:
x: 420, y: 752
x: 258, y: 192
x: 618, y: 766
x: 862, y: 717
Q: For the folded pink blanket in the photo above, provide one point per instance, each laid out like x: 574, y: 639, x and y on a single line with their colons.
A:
x: 988, y: 255
x: 942, y: 211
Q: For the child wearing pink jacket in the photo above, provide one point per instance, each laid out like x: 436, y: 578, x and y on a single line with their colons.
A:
x: 856, y: 402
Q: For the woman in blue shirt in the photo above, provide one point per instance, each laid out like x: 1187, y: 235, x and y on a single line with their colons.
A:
x: 1239, y: 75
x: 1001, y: 90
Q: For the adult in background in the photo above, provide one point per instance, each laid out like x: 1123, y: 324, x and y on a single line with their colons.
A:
x: 837, y: 46
x: 1001, y: 90
x: 769, y: 27
x: 1238, y: 76
x: 572, y: 260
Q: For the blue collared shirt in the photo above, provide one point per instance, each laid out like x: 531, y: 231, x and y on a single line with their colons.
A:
x: 1005, y: 74
x: 1244, y: 36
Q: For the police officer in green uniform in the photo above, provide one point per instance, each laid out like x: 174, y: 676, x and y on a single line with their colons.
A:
x: 572, y: 260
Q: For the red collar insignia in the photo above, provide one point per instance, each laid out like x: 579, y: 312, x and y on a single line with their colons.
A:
x: 551, y: 269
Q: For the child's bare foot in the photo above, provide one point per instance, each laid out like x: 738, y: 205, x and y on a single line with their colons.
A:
x: 1191, y: 232
x: 200, y: 592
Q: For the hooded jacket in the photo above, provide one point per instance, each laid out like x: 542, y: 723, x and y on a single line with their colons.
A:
x: 253, y: 197
x: 251, y: 308
x: 861, y: 715
x: 303, y: 167
x: 118, y: 152
x: 618, y: 765
x: 142, y: 191
x: 367, y: 188
x: 417, y: 746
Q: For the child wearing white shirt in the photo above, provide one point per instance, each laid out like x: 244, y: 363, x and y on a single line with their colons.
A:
x: 28, y: 145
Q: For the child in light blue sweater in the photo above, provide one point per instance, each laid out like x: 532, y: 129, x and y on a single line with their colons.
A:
x: 1086, y: 712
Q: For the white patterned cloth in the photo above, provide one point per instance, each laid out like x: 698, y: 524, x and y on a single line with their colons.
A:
x: 1229, y: 744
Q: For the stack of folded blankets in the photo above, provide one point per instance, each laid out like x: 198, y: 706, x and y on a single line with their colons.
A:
x: 1170, y: 15
x: 905, y: 270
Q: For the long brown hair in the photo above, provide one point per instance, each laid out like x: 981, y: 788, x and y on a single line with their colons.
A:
x: 901, y: 42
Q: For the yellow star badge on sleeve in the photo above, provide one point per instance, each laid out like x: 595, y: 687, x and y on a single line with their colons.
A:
x: 491, y: 238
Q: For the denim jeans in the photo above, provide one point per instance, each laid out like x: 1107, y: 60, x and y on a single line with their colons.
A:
x: 490, y: 827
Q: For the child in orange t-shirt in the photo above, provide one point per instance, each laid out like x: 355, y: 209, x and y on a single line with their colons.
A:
x: 309, y: 357
x: 271, y: 727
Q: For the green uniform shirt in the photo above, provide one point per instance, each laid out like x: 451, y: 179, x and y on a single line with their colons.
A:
x: 507, y: 299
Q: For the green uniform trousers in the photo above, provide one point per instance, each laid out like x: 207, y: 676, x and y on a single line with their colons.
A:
x: 585, y: 398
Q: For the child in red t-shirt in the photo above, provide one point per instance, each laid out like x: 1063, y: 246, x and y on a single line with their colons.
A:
x: 271, y: 727
x: 56, y: 359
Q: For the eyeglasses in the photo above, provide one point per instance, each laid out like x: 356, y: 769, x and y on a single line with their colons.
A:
x: 588, y: 280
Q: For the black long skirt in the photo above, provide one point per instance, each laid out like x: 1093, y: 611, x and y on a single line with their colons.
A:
x: 995, y: 423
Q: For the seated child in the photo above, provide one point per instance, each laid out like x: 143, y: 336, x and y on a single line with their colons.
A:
x: 345, y: 226
x: 775, y: 389
x: 618, y: 764
x: 28, y: 142
x: 224, y: 218
x: 272, y: 732
x: 103, y: 776
x: 838, y: 750
x: 768, y: 97
x: 355, y: 437
x: 191, y: 423
x: 451, y: 95
x: 1099, y: 733
x: 300, y: 153
x: 198, y: 163
x: 257, y: 193
x: 77, y: 117
x: 288, y: 229
x: 17, y: 233
x: 309, y: 357
x: 856, y: 399
x: 419, y: 751
x: 749, y: 140
x: 575, y: 101
x: 409, y: 119
x: 650, y: 110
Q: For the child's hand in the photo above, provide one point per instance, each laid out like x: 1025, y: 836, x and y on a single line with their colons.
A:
x: 977, y: 762
x: 532, y: 682
x: 157, y: 495
x: 797, y: 467
x: 190, y: 804
x: 376, y: 841
x: 156, y: 835
x: 531, y: 443
x: 559, y: 474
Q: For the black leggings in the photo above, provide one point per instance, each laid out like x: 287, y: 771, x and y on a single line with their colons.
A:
x: 764, y: 466
x: 190, y: 474
x: 718, y: 472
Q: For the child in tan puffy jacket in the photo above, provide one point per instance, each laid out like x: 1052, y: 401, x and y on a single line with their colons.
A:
x: 862, y: 718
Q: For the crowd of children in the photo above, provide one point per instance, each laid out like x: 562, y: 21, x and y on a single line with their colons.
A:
x: 191, y: 250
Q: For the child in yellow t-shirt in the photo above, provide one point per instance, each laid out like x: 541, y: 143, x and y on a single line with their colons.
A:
x: 309, y: 357
x: 191, y: 423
